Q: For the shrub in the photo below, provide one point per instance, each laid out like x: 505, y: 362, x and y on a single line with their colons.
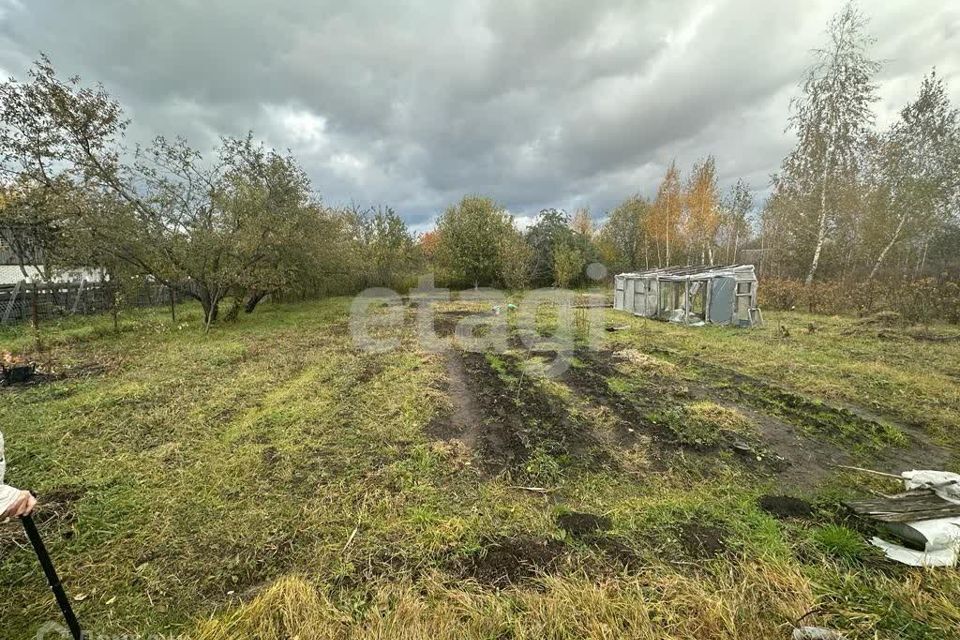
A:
x: 924, y: 300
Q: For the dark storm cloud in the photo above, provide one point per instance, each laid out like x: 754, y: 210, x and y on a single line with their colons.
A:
x: 538, y: 103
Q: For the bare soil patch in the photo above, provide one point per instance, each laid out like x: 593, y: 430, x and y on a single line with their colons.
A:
x: 785, y: 506
x: 583, y: 524
x: 805, y: 432
x: 509, y: 561
x: 702, y: 541
x: 464, y: 423
x: 590, y: 381
x: 372, y: 367
x: 521, y: 420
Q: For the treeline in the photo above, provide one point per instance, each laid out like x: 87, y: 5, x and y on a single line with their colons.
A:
x: 849, y: 204
x: 476, y: 242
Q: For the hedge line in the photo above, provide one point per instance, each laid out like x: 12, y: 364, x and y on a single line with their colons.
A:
x: 923, y: 300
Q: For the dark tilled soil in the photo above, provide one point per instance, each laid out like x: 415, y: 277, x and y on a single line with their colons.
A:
x: 617, y: 555
x: 786, y: 418
x: 445, y: 322
x: 519, y: 419
x: 786, y: 506
x: 702, y: 541
x: 803, y: 462
x: 507, y: 561
x: 836, y: 421
x: 270, y: 456
x: 590, y: 381
x: 465, y: 420
x: 583, y: 524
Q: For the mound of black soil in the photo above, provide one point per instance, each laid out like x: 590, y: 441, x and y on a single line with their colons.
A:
x: 507, y: 561
x: 785, y: 506
x: 702, y: 541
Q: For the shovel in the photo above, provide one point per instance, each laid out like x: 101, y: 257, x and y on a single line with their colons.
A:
x: 62, y: 601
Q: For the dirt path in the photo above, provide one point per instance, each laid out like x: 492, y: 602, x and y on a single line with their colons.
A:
x: 466, y: 420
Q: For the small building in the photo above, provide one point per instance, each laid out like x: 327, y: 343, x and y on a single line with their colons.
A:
x: 19, y: 261
x: 691, y: 295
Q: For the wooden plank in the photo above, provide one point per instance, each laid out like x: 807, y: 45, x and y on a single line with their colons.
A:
x: 920, y: 504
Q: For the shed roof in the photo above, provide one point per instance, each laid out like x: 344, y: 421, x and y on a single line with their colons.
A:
x: 694, y: 272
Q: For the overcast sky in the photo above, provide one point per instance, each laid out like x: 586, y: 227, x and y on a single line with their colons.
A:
x: 537, y: 104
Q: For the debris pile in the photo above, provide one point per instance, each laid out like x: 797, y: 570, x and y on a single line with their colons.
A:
x: 15, y: 369
x: 925, y: 518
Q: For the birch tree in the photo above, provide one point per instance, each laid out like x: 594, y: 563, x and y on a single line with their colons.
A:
x: 664, y: 219
x: 831, y: 118
x: 920, y: 165
x: 736, y: 228
x: 582, y: 223
x: 702, y: 201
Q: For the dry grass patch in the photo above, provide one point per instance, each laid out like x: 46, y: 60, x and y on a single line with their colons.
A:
x: 751, y: 601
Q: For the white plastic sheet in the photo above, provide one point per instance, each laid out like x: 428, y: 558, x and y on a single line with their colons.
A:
x: 940, y: 538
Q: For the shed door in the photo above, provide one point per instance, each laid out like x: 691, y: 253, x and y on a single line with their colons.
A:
x: 628, y: 296
x: 639, y: 297
x: 721, y: 300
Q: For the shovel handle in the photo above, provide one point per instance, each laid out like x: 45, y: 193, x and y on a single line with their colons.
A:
x: 51, y: 574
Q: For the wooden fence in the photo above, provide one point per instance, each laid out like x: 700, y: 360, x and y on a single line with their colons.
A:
x: 23, y: 301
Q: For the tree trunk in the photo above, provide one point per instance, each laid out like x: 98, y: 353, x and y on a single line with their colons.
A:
x: 923, y: 258
x: 883, y: 254
x: 115, y: 308
x: 254, y: 300
x: 210, y: 305
x: 668, y: 240
x: 233, y: 311
x: 821, y: 231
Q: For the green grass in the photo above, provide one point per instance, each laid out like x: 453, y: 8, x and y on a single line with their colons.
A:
x: 269, y: 480
x: 911, y: 382
x: 705, y: 423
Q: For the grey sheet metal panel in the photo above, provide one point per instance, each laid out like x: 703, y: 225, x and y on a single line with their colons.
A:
x: 629, y: 297
x: 638, y: 288
x: 618, y: 282
x: 652, y: 298
x: 722, y: 291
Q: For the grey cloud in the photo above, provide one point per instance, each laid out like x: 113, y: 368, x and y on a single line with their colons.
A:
x: 538, y: 103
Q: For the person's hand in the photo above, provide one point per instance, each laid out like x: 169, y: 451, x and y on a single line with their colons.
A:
x: 22, y: 506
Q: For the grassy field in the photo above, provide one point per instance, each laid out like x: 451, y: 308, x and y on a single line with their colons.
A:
x: 270, y: 480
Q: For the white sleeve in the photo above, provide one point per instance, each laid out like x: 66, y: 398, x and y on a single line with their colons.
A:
x: 7, y: 493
